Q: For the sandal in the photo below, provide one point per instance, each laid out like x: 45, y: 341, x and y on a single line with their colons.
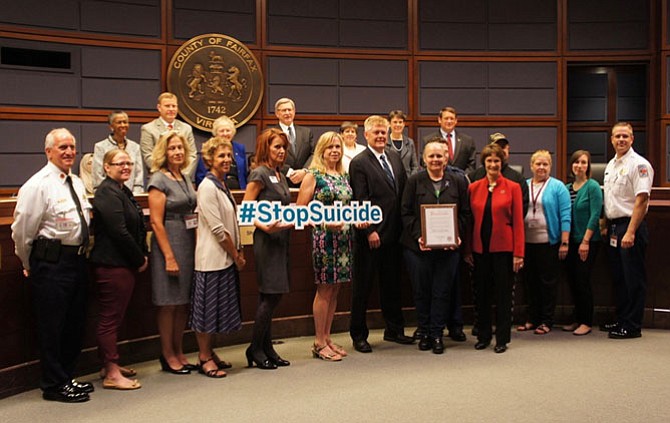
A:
x: 318, y: 352
x: 542, y: 329
x: 221, y: 364
x: 125, y: 372
x: 525, y: 327
x: 213, y: 373
x: 338, y: 349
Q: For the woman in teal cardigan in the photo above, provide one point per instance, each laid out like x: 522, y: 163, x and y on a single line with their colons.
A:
x: 547, y: 230
x: 587, y: 204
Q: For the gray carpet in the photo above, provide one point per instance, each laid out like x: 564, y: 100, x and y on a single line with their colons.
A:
x: 553, y: 378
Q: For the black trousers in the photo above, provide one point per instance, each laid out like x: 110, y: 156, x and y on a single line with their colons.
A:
x: 630, y: 275
x: 59, y: 300
x: 382, y: 264
x: 542, y: 268
x: 579, y: 278
x: 494, y: 277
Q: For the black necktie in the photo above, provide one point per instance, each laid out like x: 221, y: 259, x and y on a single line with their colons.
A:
x: 387, y: 169
x: 82, y: 220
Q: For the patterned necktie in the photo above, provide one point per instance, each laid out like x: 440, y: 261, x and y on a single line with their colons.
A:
x: 450, y: 149
x: 82, y: 220
x: 291, y: 138
x: 387, y: 169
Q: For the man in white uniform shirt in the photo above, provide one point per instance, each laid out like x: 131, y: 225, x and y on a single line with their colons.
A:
x: 50, y: 233
x: 628, y: 181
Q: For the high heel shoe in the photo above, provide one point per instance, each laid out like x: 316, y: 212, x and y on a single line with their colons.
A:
x: 165, y: 366
x: 278, y: 361
x: 261, y: 364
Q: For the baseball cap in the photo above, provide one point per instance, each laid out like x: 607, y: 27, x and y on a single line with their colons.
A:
x: 499, y: 138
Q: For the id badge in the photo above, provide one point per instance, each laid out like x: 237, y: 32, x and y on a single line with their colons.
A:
x: 273, y: 179
x: 613, y: 240
x: 191, y: 221
x: 532, y: 223
x: 65, y: 224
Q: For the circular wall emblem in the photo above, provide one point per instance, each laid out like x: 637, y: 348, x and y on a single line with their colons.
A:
x: 214, y: 75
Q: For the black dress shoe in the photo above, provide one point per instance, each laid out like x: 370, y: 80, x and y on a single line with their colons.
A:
x: 425, y: 343
x: 85, y: 387
x: 362, y: 346
x: 457, y: 335
x: 398, y: 338
x: 623, y: 333
x: 66, y: 393
x: 438, y: 345
x: 189, y: 366
x: 278, y: 361
x: 609, y: 327
x: 500, y: 348
x: 481, y: 345
x: 262, y: 363
x: 165, y: 366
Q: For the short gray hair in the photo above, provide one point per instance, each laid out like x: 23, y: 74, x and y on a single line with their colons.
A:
x: 56, y: 134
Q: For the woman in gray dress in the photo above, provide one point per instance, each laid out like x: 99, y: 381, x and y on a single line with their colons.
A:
x: 172, y: 201
x: 271, y: 245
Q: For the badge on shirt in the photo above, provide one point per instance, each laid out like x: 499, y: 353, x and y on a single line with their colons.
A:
x: 533, y: 223
x: 642, y: 170
x: 191, y: 221
x: 274, y: 179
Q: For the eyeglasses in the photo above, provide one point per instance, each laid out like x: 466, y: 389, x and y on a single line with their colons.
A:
x: 123, y: 164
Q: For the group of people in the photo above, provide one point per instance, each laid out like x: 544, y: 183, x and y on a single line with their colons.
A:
x: 196, y: 251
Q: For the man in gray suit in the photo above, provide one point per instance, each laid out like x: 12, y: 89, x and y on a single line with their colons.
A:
x: 299, y: 154
x: 168, y: 108
x: 461, y: 146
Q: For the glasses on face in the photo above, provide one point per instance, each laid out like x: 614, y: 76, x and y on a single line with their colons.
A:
x: 123, y: 164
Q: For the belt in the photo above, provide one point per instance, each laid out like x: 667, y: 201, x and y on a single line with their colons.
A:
x: 618, y: 220
x: 79, y: 250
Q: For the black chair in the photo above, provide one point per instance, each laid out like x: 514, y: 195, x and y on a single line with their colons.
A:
x: 598, y: 172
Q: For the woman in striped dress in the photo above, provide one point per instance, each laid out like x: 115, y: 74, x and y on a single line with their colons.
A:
x: 218, y: 257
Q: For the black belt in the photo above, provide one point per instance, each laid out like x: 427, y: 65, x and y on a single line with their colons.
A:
x: 79, y: 250
x: 620, y: 220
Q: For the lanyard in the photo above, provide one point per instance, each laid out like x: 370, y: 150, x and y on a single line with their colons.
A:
x: 534, y: 198
x: 183, y: 188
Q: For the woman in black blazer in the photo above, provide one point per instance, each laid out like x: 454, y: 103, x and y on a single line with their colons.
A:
x: 120, y: 251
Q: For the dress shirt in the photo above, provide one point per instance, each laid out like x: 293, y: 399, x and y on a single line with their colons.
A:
x: 386, y: 165
x: 45, y: 208
x: 625, y: 178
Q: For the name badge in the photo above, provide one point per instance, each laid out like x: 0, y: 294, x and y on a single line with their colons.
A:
x: 274, y: 179
x: 65, y: 224
x: 191, y: 221
x: 613, y: 240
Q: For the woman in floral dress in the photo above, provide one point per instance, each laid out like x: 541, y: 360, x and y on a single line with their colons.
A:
x: 327, y: 182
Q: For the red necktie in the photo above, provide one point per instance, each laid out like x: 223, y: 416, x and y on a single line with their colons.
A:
x: 450, y: 148
x: 170, y: 127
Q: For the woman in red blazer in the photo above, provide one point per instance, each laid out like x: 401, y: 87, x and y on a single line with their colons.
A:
x: 498, y: 246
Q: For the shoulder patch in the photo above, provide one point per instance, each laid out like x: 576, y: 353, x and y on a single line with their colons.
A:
x: 642, y: 170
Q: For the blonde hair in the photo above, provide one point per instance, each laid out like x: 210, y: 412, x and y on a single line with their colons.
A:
x: 538, y: 154
x: 326, y: 140
x: 223, y: 121
x: 159, y: 154
x: 375, y: 120
x: 211, y: 146
x: 166, y: 95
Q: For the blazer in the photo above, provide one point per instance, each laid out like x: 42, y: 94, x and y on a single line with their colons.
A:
x: 237, y: 177
x: 304, y: 149
x: 216, y: 221
x: 464, y: 153
x: 420, y: 190
x: 369, y: 183
x: 506, y: 212
x: 510, y: 174
x: 151, y: 133
x: 136, y: 181
x: 120, y: 234
x: 407, y: 154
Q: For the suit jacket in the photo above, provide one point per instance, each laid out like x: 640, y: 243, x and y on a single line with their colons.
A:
x: 304, y: 148
x: 506, y: 212
x: 151, y: 133
x: 420, y: 190
x: 464, y: 153
x: 370, y: 183
x: 407, y: 154
x: 120, y: 234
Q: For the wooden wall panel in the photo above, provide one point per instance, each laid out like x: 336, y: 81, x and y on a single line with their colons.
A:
x: 121, y: 18
x: 608, y: 24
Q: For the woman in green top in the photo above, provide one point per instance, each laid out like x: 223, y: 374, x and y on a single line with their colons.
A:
x: 587, y: 203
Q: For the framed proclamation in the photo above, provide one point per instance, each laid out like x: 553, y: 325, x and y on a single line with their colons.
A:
x: 439, y: 225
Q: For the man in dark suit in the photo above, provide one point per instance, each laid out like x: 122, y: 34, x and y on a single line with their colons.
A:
x: 151, y: 132
x: 299, y: 154
x: 461, y: 146
x: 378, y: 176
